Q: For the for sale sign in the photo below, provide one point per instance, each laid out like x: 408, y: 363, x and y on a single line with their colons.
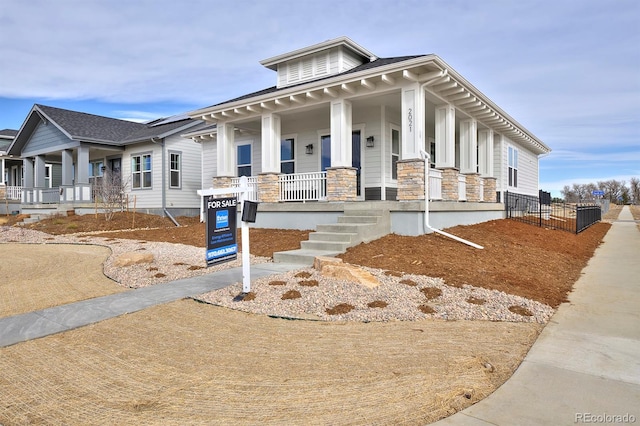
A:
x: 222, y: 244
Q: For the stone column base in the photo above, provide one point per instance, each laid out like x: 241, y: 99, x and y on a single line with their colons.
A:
x: 450, y: 184
x: 3, y: 191
x: 489, y: 189
x: 410, y: 180
x: 473, y: 187
x: 341, y: 184
x: 222, y: 182
x: 268, y: 188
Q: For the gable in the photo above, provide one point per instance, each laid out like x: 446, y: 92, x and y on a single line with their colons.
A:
x: 45, y: 138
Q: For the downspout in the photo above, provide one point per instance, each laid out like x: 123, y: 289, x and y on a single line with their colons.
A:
x: 425, y: 157
x: 164, y: 179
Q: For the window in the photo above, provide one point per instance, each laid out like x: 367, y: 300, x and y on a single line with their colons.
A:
x: 47, y: 176
x: 141, y: 171
x: 432, y: 152
x: 96, y: 169
x: 244, y: 160
x: 395, y: 152
x: 513, y: 167
x: 175, y: 166
x: 287, y: 156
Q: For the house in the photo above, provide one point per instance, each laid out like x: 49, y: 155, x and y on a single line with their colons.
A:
x: 69, y: 156
x: 10, y: 178
x: 351, y: 131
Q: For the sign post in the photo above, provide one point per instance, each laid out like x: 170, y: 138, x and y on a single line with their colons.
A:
x: 221, y: 217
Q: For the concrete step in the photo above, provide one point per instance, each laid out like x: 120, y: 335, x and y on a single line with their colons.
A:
x: 325, y: 245
x: 353, y: 227
x: 362, y: 213
x: 342, y: 237
x: 357, y: 219
x: 301, y: 256
x: 33, y: 219
x: 345, y: 228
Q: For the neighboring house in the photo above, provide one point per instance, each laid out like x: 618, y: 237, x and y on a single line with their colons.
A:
x: 10, y: 172
x: 66, y: 156
x: 344, y: 126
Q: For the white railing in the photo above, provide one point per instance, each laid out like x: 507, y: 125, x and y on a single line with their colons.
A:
x: 462, y: 188
x: 303, y: 186
x: 481, y: 189
x: 14, y: 193
x: 252, y: 181
x: 435, y: 184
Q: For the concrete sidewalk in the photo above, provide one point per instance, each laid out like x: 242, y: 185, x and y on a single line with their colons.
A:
x: 585, y: 366
x: 32, y: 325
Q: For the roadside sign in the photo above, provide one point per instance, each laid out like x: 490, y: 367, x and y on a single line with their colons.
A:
x: 223, y: 227
x: 597, y: 193
x: 222, y: 243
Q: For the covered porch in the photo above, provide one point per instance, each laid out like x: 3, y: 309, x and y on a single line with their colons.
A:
x: 357, y: 142
x: 70, y: 176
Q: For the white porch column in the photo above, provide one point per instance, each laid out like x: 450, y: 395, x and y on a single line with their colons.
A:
x: 485, y: 152
x: 445, y: 136
x: 2, y: 172
x: 67, y: 167
x: 40, y: 172
x: 341, y: 155
x: 82, y: 165
x: 468, y: 146
x: 413, y: 122
x: 226, y: 150
x: 271, y: 143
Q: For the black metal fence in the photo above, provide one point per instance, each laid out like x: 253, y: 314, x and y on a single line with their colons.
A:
x: 540, y: 211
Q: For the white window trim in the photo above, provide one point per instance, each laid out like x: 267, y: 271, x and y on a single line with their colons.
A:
x: 48, y: 170
x: 239, y: 144
x: 179, y: 170
x: 295, y: 151
x: 142, y: 171
x: 393, y: 127
x: 512, y: 183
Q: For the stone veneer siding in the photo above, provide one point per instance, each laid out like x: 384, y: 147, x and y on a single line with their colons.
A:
x: 473, y: 187
x: 489, y: 189
x: 410, y: 180
x: 268, y: 188
x: 3, y: 191
x: 450, y: 184
x: 341, y: 184
x: 222, y: 182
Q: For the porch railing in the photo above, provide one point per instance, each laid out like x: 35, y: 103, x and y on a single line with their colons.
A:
x: 462, y: 188
x: 14, y: 192
x: 252, y: 181
x: 50, y: 196
x: 435, y: 184
x: 303, y: 186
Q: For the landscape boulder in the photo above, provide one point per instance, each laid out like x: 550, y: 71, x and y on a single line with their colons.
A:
x: 332, y: 267
x: 132, y: 258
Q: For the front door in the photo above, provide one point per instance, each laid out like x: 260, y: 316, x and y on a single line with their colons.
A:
x: 325, y: 156
x: 114, y: 166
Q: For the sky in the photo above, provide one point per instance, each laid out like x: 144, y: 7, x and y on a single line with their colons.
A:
x: 567, y: 70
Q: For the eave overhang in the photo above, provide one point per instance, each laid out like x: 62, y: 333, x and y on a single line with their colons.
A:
x: 435, y: 75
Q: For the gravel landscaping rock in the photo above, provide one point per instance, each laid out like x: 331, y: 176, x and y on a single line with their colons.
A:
x: 404, y: 294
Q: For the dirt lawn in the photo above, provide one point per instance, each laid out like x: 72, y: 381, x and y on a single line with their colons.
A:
x: 193, y: 363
